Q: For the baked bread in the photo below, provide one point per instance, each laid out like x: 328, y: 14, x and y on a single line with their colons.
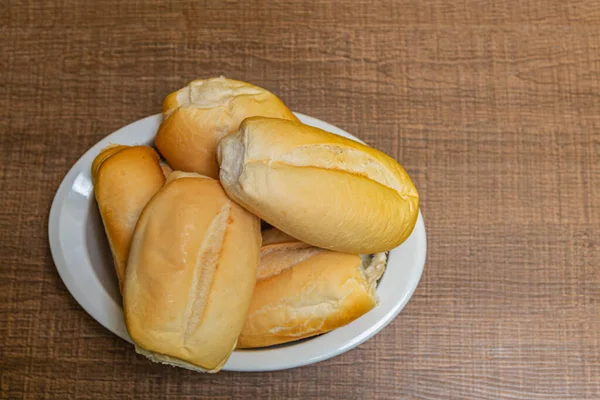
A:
x: 199, y: 115
x: 321, y: 188
x: 302, y: 291
x: 191, y: 274
x: 125, y: 178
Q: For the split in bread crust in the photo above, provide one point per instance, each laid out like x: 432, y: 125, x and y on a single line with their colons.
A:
x: 323, y: 189
x: 191, y: 274
x: 302, y: 291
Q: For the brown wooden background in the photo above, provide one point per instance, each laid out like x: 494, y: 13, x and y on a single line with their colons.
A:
x: 492, y: 106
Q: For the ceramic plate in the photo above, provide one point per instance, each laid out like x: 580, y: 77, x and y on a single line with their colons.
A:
x: 83, y: 260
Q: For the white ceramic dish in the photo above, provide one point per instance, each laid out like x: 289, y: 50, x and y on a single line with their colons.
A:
x: 83, y: 260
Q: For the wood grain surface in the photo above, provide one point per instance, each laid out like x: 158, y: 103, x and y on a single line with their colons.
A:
x: 492, y: 106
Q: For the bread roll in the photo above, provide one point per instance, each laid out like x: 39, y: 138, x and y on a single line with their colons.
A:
x: 320, y: 188
x: 302, y: 291
x: 191, y: 274
x: 199, y: 115
x: 125, y: 178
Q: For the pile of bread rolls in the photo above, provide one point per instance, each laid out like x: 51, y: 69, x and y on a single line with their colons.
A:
x: 198, y: 276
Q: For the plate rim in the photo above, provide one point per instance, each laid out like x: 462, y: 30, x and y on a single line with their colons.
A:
x: 61, y: 265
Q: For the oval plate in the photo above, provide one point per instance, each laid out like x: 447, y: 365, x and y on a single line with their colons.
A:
x: 84, y: 262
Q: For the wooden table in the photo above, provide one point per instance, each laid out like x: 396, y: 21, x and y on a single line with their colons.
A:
x: 492, y: 106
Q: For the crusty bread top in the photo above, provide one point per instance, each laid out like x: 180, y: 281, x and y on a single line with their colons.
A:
x: 264, y: 142
x: 197, y: 116
x: 210, y: 93
x: 191, y: 273
x: 321, y: 188
x: 125, y: 178
x: 302, y: 291
x: 104, y: 155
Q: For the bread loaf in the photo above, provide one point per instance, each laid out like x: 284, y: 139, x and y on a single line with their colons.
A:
x: 191, y: 273
x: 125, y: 178
x: 302, y: 291
x: 321, y: 188
x: 199, y: 115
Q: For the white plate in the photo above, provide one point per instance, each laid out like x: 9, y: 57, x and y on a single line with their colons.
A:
x: 83, y: 260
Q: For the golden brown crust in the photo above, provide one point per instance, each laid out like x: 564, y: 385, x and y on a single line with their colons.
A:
x: 197, y: 116
x: 104, y: 155
x: 191, y: 273
x: 321, y: 188
x: 125, y: 178
x: 308, y: 294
